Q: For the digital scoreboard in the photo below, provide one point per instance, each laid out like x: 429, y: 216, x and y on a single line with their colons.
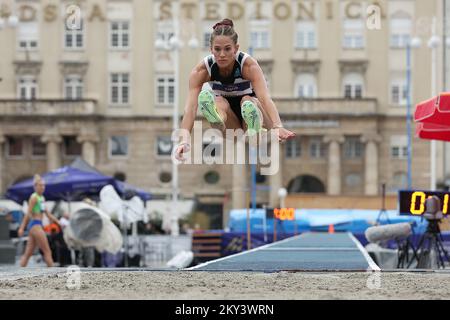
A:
x: 412, y: 202
x: 281, y: 213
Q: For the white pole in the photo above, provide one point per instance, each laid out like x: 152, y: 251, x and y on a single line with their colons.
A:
x: 174, y: 216
x: 433, y: 45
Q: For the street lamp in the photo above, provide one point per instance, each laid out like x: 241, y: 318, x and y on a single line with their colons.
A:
x: 282, y: 193
x: 12, y: 22
x: 174, y: 45
x: 412, y: 44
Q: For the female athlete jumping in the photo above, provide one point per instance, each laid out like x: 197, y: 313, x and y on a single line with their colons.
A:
x: 238, y: 98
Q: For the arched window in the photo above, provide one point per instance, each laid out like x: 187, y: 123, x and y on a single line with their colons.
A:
x: 306, y: 183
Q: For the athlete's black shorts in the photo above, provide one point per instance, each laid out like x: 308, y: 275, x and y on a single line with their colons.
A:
x: 235, y: 104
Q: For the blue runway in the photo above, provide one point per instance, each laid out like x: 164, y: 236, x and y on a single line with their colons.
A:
x: 306, y: 252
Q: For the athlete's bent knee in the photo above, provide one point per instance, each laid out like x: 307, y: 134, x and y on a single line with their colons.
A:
x: 246, y: 98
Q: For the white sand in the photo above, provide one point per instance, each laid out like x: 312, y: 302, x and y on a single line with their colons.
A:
x: 231, y: 285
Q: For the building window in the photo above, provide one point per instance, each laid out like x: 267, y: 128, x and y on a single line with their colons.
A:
x: 165, y: 89
x: 260, y: 34
x: 316, y: 147
x: 353, y: 85
x: 15, y: 146
x: 71, y: 146
x: 27, y: 36
x: 120, y: 35
x: 306, y: 35
x: 163, y: 146
x: 399, y: 147
x: 73, y: 87
x: 353, y: 148
x: 38, y: 148
x: 306, y: 86
x: 399, y: 40
x: 353, y: 35
x: 73, y: 37
x: 120, y: 88
x: 400, y: 31
x: 118, y: 146
x: 259, y: 39
x: 399, y: 93
x: 293, y: 148
x: 27, y: 88
x: 399, y: 152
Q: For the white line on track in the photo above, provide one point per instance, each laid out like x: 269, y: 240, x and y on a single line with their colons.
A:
x: 370, y: 261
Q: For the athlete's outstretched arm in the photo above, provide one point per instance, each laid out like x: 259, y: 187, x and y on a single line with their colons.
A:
x: 252, y: 71
x: 199, y: 75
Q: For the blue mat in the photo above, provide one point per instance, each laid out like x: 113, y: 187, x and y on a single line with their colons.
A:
x: 308, y: 251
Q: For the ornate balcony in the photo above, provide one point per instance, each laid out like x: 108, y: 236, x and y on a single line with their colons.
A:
x: 327, y: 106
x: 47, y: 107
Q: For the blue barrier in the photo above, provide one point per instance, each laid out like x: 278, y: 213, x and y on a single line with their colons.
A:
x: 355, y: 221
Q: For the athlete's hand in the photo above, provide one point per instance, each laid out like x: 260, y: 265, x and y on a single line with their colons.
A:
x: 284, y: 134
x: 20, y: 232
x: 182, y: 148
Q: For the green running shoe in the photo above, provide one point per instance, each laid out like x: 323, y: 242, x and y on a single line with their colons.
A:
x: 252, y: 117
x: 208, y: 107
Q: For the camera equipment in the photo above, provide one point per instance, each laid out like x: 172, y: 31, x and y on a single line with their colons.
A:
x: 388, y: 232
x: 399, y: 232
x: 431, y: 253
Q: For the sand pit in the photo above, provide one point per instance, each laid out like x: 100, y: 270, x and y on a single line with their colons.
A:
x: 163, y: 285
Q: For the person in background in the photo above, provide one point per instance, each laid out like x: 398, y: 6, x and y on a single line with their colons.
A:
x: 36, y: 234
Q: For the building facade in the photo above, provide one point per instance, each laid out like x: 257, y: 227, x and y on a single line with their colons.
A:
x: 85, y: 78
